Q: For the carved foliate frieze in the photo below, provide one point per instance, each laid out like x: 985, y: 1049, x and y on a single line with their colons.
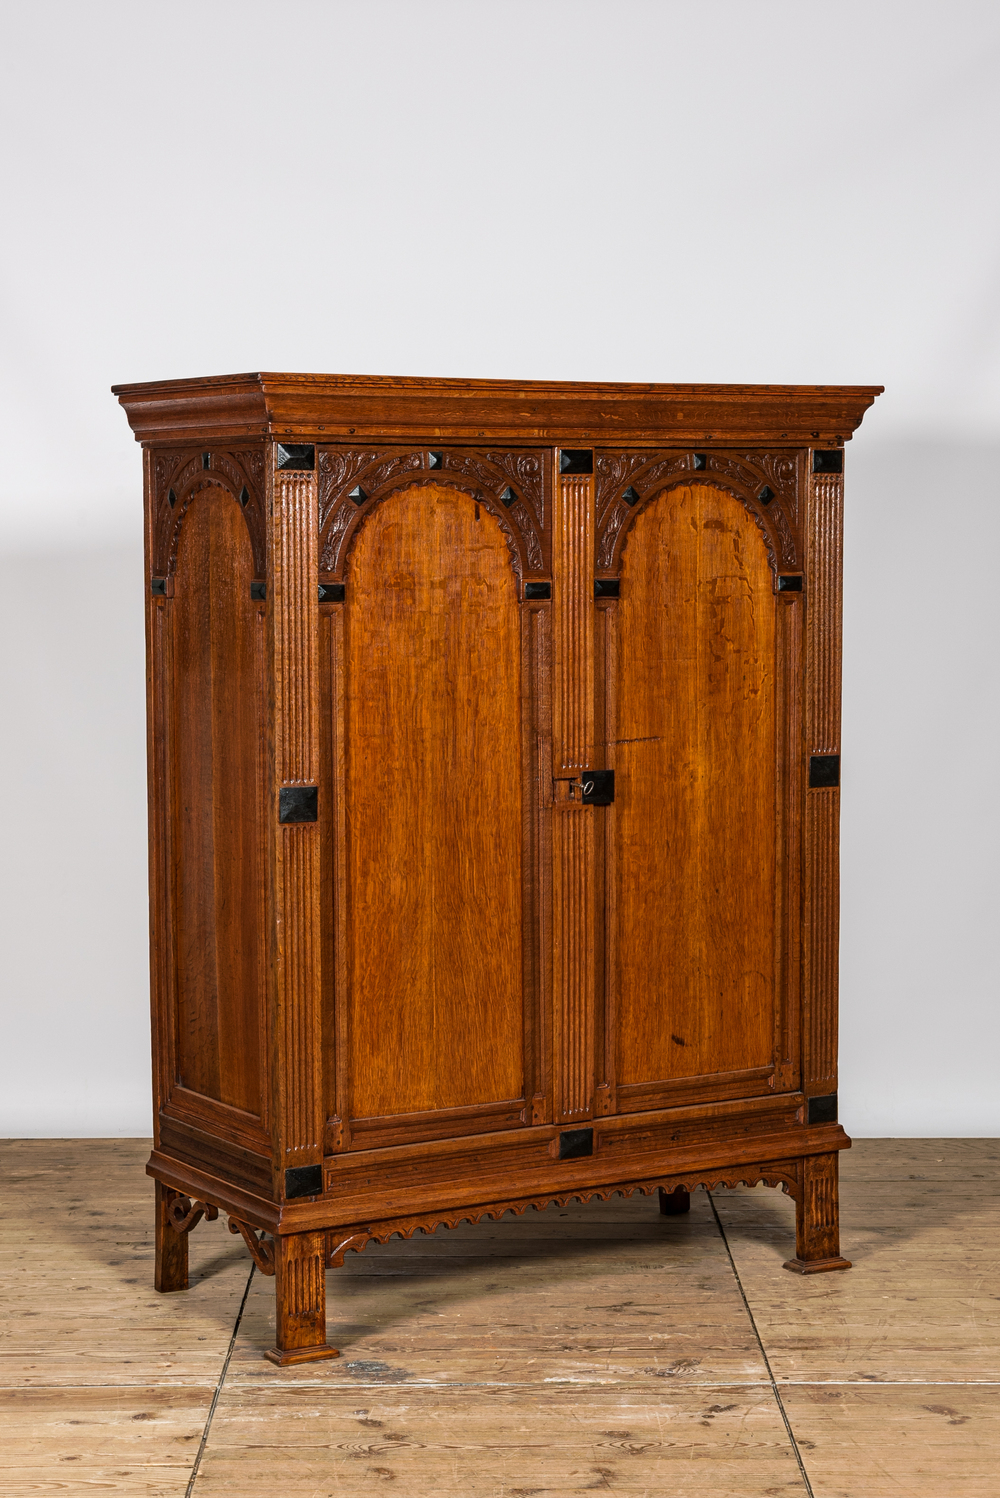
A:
x: 766, y: 484
x: 510, y: 485
x: 178, y: 477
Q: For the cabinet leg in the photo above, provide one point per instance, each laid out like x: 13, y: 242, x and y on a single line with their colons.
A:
x: 817, y: 1218
x: 300, y: 1300
x: 171, y: 1272
x: 673, y: 1202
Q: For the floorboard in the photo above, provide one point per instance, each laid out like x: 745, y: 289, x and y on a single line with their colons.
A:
x: 586, y: 1348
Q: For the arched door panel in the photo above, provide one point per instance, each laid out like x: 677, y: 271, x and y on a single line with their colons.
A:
x: 693, y: 838
x: 433, y: 827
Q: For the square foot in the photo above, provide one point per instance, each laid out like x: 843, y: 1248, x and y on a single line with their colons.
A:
x: 815, y: 1266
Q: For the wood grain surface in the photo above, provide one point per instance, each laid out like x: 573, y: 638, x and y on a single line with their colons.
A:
x: 458, y: 951
x: 695, y: 792
x: 433, y: 791
x: 597, y: 1348
x: 821, y: 915
x: 217, y: 701
x: 577, y: 414
x: 296, y: 1020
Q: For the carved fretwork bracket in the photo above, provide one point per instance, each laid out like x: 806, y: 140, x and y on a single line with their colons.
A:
x: 511, y: 486
x: 183, y: 1214
x: 768, y: 485
x: 784, y: 1173
x: 261, y: 1247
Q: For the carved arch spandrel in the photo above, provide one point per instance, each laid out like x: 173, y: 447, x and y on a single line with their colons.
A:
x: 183, y: 474
x: 379, y: 473
x: 784, y: 1173
x: 743, y: 475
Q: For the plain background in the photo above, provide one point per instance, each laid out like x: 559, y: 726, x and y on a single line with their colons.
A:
x: 639, y: 190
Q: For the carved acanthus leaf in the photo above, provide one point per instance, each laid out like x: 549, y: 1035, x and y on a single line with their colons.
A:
x: 613, y: 471
x: 784, y: 534
x: 532, y: 546
x: 333, y: 536
x: 393, y: 468
x: 337, y: 470
x: 609, y: 534
x: 165, y: 466
x: 780, y: 470
x: 471, y: 467
x: 527, y: 472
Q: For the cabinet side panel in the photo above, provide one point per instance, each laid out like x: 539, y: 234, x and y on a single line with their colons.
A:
x: 433, y: 789
x: 217, y: 712
x: 157, y: 760
x: 695, y: 794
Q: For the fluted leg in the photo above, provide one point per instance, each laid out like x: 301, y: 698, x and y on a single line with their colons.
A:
x: 300, y: 1299
x: 817, y: 1218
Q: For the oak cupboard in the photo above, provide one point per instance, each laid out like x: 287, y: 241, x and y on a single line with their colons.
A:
x: 493, y: 770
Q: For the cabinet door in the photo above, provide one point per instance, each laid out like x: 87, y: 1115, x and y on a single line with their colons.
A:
x: 697, y: 672
x: 434, y: 844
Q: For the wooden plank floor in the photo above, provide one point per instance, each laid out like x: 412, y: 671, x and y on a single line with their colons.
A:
x: 587, y: 1348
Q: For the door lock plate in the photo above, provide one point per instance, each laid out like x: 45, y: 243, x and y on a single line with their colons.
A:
x: 597, y: 787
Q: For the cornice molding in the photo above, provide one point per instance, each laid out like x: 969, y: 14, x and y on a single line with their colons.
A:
x: 356, y: 408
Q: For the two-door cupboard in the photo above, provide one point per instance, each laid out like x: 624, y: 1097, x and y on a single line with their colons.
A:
x: 494, y: 793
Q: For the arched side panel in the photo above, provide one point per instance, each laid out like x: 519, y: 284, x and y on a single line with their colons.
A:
x: 177, y: 479
x: 433, y: 1032
x: 693, y: 837
x: 215, y: 715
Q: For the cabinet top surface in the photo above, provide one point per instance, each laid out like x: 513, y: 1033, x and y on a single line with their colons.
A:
x: 331, y: 408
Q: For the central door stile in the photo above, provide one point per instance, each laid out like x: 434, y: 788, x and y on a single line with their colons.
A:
x: 573, y: 824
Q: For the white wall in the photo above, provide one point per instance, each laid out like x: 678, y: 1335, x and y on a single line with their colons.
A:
x: 706, y: 190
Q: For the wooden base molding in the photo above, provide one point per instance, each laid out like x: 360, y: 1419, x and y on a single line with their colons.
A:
x: 315, y: 1354
x: 815, y: 1266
